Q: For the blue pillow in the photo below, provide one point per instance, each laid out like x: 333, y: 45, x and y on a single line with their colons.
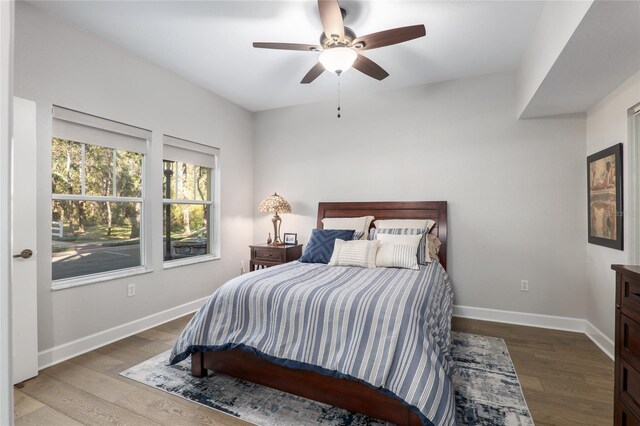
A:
x: 320, y: 246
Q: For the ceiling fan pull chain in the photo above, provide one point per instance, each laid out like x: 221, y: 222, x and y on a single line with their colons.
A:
x: 338, y: 95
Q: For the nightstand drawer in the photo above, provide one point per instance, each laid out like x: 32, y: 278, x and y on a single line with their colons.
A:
x: 265, y: 256
x: 268, y: 254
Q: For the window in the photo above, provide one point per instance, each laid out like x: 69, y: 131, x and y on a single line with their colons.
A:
x: 188, y: 178
x: 97, y: 169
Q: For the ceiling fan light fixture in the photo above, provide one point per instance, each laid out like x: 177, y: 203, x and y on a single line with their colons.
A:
x: 338, y: 59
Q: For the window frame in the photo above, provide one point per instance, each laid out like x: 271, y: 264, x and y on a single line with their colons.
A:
x: 213, y: 188
x: 117, y: 129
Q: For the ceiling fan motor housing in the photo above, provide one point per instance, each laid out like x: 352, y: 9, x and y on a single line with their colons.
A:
x: 349, y: 36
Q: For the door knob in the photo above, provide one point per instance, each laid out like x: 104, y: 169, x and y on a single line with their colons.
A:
x: 24, y: 254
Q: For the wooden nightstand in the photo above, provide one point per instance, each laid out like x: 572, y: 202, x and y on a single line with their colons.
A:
x: 264, y: 255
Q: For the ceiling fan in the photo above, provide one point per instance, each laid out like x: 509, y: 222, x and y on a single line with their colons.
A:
x: 340, y: 48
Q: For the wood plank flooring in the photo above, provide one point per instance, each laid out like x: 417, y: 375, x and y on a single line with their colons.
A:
x: 566, y: 380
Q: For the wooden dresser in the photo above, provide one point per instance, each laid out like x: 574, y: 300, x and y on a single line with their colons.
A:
x: 627, y: 369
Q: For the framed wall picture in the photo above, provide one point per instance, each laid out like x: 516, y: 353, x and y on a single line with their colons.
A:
x: 604, y: 197
x: 290, y: 238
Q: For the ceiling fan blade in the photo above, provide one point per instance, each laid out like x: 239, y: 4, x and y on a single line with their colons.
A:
x: 287, y: 46
x: 313, y: 73
x: 331, y: 18
x: 389, y: 37
x: 370, y: 68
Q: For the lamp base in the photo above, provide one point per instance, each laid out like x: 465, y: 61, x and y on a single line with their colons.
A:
x: 276, y: 230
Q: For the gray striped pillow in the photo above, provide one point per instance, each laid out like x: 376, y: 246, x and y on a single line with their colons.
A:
x: 423, y: 255
x: 398, y: 251
x: 354, y: 253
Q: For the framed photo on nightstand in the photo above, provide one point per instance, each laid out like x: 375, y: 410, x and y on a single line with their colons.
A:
x: 290, y: 238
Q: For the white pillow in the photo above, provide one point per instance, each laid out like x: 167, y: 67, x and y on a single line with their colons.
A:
x: 354, y: 253
x: 405, y: 223
x: 398, y: 251
x: 358, y: 224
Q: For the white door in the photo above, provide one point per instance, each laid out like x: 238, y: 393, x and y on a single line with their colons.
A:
x: 24, y: 274
x: 6, y: 104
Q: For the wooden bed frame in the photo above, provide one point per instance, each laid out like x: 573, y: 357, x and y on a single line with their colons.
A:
x: 348, y: 394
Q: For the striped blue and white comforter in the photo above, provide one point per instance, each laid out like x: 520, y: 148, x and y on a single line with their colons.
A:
x: 387, y: 327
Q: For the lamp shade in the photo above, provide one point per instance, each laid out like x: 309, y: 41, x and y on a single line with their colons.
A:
x: 274, y: 204
x: 338, y: 59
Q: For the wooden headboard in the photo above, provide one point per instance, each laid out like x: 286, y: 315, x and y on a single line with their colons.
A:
x: 435, y: 210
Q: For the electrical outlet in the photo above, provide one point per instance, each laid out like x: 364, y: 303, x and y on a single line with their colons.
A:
x: 131, y: 290
x: 524, y: 285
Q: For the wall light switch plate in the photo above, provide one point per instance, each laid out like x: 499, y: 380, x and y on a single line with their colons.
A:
x: 131, y: 290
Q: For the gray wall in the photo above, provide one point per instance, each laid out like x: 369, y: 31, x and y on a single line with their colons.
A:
x: 608, y: 124
x: 515, y: 187
x: 56, y: 63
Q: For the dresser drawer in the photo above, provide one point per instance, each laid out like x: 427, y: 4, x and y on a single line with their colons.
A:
x: 629, y: 337
x: 625, y: 417
x: 629, y: 382
x: 268, y: 254
x: 628, y: 296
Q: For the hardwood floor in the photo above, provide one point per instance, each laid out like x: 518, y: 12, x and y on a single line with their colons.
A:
x: 88, y: 390
x: 566, y: 380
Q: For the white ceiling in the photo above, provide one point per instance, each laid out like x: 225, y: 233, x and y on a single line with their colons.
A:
x: 209, y: 43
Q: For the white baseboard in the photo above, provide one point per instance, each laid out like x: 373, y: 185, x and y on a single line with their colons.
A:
x: 600, y: 339
x: 578, y: 325
x: 72, y: 349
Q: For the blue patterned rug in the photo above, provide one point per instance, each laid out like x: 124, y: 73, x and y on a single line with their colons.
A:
x: 487, y: 390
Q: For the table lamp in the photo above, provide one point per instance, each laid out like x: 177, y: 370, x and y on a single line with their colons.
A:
x: 275, y: 204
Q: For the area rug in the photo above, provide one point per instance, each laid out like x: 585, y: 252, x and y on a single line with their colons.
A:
x: 487, y: 390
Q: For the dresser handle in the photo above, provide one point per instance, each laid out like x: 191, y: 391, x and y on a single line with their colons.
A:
x: 617, y: 306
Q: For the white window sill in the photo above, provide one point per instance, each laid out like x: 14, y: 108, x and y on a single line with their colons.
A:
x: 189, y: 261
x: 97, y: 278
